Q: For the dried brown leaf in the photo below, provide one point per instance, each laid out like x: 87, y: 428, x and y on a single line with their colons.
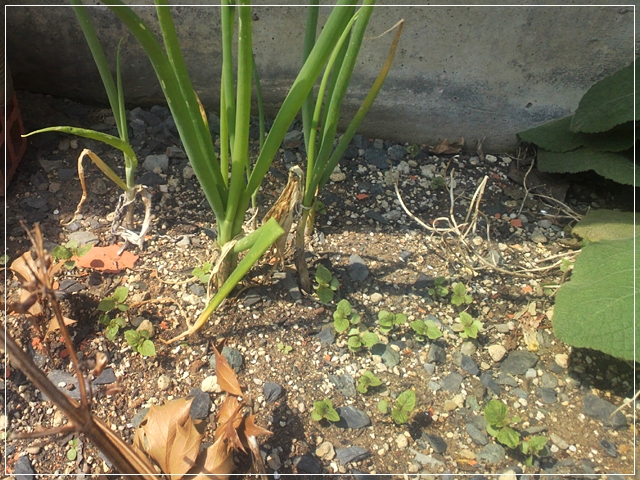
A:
x: 229, y: 420
x: 101, y: 362
x: 53, y: 323
x: 226, y: 376
x: 446, y: 148
x: 24, y: 267
x: 169, y: 437
x: 249, y: 428
x: 216, y: 462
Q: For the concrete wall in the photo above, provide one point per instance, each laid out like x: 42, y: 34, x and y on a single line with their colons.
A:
x: 472, y: 71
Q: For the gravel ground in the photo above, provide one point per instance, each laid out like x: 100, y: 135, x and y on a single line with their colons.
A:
x: 282, y: 342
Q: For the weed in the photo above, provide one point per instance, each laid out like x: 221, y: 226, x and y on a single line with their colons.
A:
x: 344, y: 316
x: 439, y: 289
x: 72, y: 453
x: 424, y: 329
x: 327, y: 284
x: 284, y: 348
x: 468, y: 327
x: 69, y: 250
x: 413, y: 150
x: 203, y: 273
x: 388, y: 320
x: 359, y: 339
x: 113, y: 302
x: 113, y: 325
x: 4, y: 259
x: 140, y: 342
x: 438, y: 182
x: 405, y: 404
x: 460, y: 295
x: 324, y: 409
x: 366, y: 381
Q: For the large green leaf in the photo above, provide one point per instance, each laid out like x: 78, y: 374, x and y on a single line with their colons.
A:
x: 596, y: 308
x: 610, y: 165
x: 605, y: 224
x: 556, y: 136
x: 607, y: 103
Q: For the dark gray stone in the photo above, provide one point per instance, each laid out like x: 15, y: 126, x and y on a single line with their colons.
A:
x: 200, y: 404
x: 233, y: 357
x: 252, y: 297
x: 39, y: 181
x: 390, y: 357
x: 430, y: 368
x: 377, y: 158
x: 609, y: 448
x: 357, y: 269
x: 327, y: 335
x: 547, y: 395
x: 518, y: 362
x: 436, y: 354
x: 69, y: 285
x: 197, y: 289
x: 377, y: 217
x: 491, y: 453
x: 139, y: 416
x: 487, y: 380
x: 506, y: 379
x: 292, y: 139
x: 23, y: 469
x: 151, y: 179
x: 397, y: 152
x: 437, y: 443
x: 469, y: 365
x: 405, y: 255
x: 548, y: 380
x: 476, y: 434
x: 107, y: 377
x: 67, y: 173
x: 595, y: 407
x: 518, y: 392
x: 307, y: 463
x: 451, y: 382
x: 292, y: 287
x: 154, y: 161
x: 70, y: 387
x: 345, y: 384
x: 272, y: 391
x: 351, y: 454
x: 351, y: 417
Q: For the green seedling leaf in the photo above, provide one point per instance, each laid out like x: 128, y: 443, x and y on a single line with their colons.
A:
x: 334, y: 284
x: 509, y: 437
x: 354, y: 343
x: 324, y: 409
x: 343, y: 309
x: 72, y: 454
x: 323, y: 275
x: 61, y: 253
x: 607, y: 103
x: 107, y: 304
x: 120, y: 294
x: 82, y: 251
x: 132, y: 337
x: 147, y: 349
x: 111, y: 332
x: 534, y: 445
x: 385, y: 320
x: 460, y: 295
x: 428, y: 329
x: 596, y: 308
x: 405, y: 404
x: 495, y: 412
x: 383, y: 406
x: 203, y: 273
x: 341, y: 324
x: 438, y: 183
x: 470, y: 326
x: 325, y: 294
x: 369, y: 339
x: 614, y: 166
x: 399, y: 319
x: 366, y: 381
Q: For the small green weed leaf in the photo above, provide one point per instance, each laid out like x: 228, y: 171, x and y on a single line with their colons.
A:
x: 509, y: 437
x: 355, y: 318
x: 413, y: 150
x: 323, y: 275
x: 495, y: 412
x: 419, y: 327
x: 341, y: 324
x: 61, y: 253
x: 123, y: 307
x: 383, y: 406
x: 325, y: 294
x: 72, y: 454
x: 120, y: 321
x: 132, y: 337
x: 607, y: 103
x: 433, y: 332
x: 460, y: 295
x: 120, y: 294
x: 596, y: 308
x: 70, y: 264
x: 82, y: 251
x: 400, y: 319
x: 4, y: 259
x: 107, y: 304
x: 438, y: 182
x: 366, y: 381
x: 534, y: 445
x: 343, y: 309
x: 369, y: 339
x: 399, y: 416
x: 354, y: 343
x: 147, y: 349
x: 324, y: 409
x: 335, y: 284
x: 406, y: 401
x: 111, y: 332
x: 104, y: 319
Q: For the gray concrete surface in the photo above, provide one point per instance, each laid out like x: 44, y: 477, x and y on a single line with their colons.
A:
x: 471, y: 71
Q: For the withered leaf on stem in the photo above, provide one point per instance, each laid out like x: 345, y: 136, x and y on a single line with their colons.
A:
x: 216, y: 462
x: 229, y: 420
x: 168, y: 436
x: 446, y: 148
x: 226, y: 376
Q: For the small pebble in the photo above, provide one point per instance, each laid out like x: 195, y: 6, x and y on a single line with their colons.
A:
x: 164, y: 382
x: 402, y: 441
x: 376, y: 297
x: 496, y: 352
